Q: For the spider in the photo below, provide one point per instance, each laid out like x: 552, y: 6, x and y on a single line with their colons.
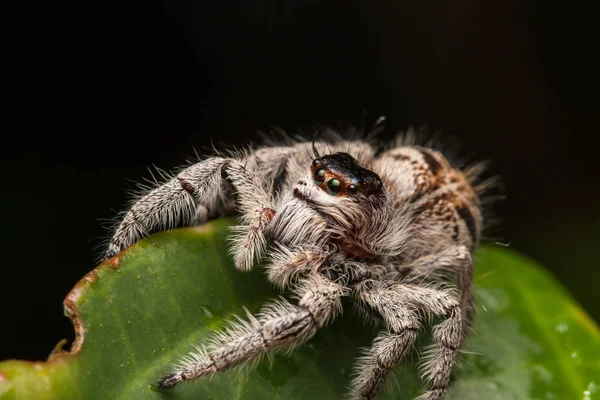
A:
x: 393, y: 227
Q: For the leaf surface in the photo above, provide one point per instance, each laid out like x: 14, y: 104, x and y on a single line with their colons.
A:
x: 142, y: 310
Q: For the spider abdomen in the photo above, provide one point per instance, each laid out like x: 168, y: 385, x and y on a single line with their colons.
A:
x: 444, y: 205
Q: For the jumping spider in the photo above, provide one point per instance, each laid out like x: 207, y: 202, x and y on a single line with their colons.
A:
x: 393, y: 228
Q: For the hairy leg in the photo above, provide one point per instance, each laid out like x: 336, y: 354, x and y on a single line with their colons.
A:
x: 286, y: 264
x: 162, y: 208
x: 174, y: 202
x: 454, y: 261
x: 390, y: 346
x: 220, y: 205
x: 440, y: 357
x: 279, y: 325
x: 397, y: 305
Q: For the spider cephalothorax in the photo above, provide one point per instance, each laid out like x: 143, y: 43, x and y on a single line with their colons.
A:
x: 333, y: 220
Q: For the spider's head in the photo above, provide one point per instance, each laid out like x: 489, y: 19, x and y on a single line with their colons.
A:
x: 351, y: 200
x: 338, y: 187
x: 339, y: 174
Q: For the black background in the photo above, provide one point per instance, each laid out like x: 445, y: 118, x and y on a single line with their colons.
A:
x: 97, y: 92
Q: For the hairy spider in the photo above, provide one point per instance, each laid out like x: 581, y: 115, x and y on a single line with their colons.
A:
x: 393, y: 227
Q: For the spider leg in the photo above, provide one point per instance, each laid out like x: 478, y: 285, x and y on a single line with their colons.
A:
x: 211, y: 208
x: 397, y: 305
x: 454, y: 261
x: 390, y: 346
x: 440, y: 357
x: 286, y: 264
x: 175, y: 202
x: 280, y: 324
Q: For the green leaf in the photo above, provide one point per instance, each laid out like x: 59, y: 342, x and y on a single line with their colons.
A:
x: 137, y: 313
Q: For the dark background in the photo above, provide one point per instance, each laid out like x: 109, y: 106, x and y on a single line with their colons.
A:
x: 97, y: 92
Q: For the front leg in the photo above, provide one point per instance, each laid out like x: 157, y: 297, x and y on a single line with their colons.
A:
x: 287, y: 264
x: 254, y: 204
x: 175, y: 202
x: 279, y: 325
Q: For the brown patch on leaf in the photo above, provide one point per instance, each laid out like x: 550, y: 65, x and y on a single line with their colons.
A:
x: 71, y: 311
x: 3, y: 377
x: 70, y: 305
x: 114, y: 261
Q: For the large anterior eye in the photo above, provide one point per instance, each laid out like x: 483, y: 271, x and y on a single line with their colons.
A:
x: 334, y: 187
x: 319, y: 176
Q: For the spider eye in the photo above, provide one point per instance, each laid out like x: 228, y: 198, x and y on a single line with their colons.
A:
x: 334, y: 187
x: 316, y: 163
x: 319, y: 176
x: 352, y: 189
